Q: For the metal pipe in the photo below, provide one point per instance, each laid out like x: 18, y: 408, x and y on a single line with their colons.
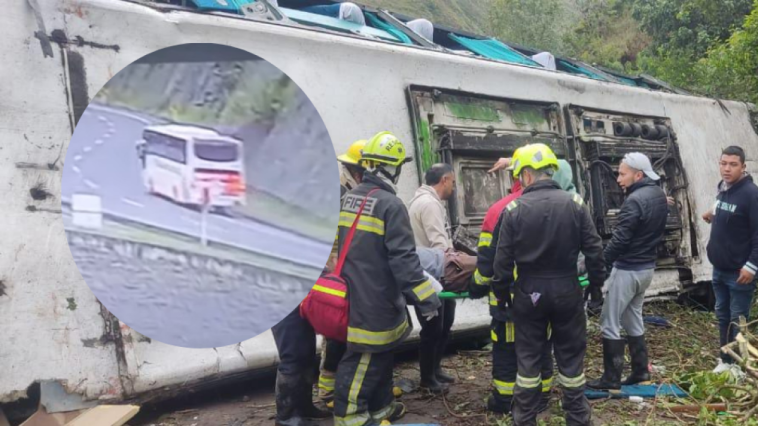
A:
x: 649, y: 132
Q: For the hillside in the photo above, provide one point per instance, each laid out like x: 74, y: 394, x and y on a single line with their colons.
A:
x: 469, y: 15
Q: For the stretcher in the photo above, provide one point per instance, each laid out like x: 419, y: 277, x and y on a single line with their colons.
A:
x: 583, y: 282
x: 644, y: 391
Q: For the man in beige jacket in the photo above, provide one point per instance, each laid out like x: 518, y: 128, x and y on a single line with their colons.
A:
x: 431, y: 230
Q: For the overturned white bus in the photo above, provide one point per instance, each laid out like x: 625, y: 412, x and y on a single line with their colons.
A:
x: 458, y: 98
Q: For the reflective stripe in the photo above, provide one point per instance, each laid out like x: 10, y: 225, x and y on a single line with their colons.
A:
x: 357, y: 335
x: 493, y: 335
x: 571, y: 382
x: 750, y: 267
x: 424, y: 290
x: 578, y: 199
x: 326, y: 383
x: 510, y: 332
x: 480, y: 279
x: 512, y: 205
x: 366, y: 223
x: 382, y: 414
x: 485, y: 239
x: 528, y: 382
x: 352, y: 420
x: 493, y: 299
x: 327, y: 290
x: 546, y: 384
x: 503, y: 388
x: 355, y: 386
x: 549, y: 331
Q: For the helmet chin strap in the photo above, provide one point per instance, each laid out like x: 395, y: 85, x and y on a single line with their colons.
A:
x: 387, y: 172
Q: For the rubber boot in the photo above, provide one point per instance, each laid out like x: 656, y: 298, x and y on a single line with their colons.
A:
x: 439, y: 373
x: 398, y: 412
x: 426, y: 365
x: 307, y: 408
x: 613, y: 363
x: 288, y: 400
x: 497, y: 403
x: 638, y: 353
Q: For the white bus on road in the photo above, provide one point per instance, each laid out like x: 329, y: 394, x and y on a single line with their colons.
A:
x: 192, y: 165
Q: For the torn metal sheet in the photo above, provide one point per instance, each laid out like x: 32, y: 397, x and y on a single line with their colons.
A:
x: 57, y: 399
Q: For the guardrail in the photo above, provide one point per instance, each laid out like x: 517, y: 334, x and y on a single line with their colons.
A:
x: 125, y: 219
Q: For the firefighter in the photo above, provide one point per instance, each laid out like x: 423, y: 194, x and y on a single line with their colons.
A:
x: 296, y: 343
x: 383, y: 272
x: 501, y: 328
x: 541, y: 233
x: 351, y: 174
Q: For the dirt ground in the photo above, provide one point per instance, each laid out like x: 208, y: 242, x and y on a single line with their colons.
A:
x: 689, y: 344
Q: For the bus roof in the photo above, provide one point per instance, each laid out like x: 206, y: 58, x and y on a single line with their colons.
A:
x: 189, y: 130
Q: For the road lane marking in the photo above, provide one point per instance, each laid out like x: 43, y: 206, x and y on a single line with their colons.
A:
x: 77, y: 158
x: 91, y: 184
x: 106, y: 136
x: 76, y: 169
x: 134, y: 203
x: 98, y: 142
x: 87, y: 149
x: 119, y: 112
x: 102, y: 118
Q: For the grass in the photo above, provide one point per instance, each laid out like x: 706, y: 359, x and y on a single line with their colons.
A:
x: 186, y: 244
x: 267, y: 208
x: 683, y: 354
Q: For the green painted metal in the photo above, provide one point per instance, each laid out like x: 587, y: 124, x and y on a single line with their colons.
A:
x: 425, y: 143
x: 533, y: 116
x: 379, y: 23
x: 472, y: 111
x: 335, y: 24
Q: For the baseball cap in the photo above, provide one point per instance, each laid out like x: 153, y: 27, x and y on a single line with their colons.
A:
x: 639, y: 161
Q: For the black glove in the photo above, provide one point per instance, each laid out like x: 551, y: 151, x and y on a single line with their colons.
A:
x: 504, y: 301
x: 594, y: 307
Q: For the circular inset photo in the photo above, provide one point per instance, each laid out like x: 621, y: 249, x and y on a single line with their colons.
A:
x: 200, y: 195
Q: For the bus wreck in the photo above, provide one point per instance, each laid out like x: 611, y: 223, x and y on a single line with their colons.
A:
x: 451, y: 97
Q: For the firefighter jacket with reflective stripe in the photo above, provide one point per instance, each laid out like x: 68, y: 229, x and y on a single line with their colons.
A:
x: 335, y: 246
x: 542, y: 234
x: 481, y: 285
x: 382, y: 269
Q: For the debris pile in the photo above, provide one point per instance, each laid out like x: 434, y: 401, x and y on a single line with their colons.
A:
x: 744, y: 350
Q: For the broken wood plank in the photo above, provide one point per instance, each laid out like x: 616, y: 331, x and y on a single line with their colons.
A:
x: 751, y: 349
x: 697, y: 408
x: 105, y: 415
x: 43, y: 418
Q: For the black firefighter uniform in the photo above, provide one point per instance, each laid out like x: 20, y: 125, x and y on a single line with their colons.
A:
x: 542, y: 233
x: 383, y: 271
x: 502, y: 330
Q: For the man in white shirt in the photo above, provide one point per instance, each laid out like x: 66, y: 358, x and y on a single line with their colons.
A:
x: 431, y: 230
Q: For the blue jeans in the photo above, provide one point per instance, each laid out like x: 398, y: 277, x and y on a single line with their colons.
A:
x: 732, y: 301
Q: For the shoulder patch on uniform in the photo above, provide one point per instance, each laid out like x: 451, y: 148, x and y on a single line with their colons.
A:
x: 578, y: 199
x: 512, y: 205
